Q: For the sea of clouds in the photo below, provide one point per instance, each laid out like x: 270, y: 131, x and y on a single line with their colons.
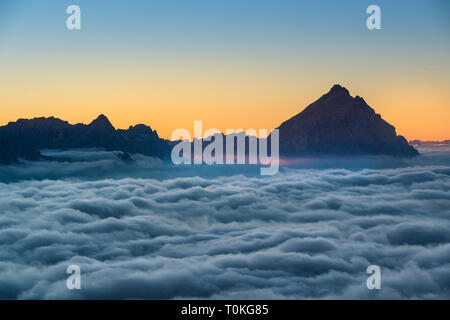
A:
x: 146, y: 230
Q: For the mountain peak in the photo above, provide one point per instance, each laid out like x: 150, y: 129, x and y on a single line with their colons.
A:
x: 102, y: 117
x: 338, y: 89
x: 140, y: 129
x: 102, y: 122
x: 339, y: 124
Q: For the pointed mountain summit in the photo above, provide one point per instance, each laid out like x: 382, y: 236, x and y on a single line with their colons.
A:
x: 103, y: 123
x: 339, y: 124
x: 337, y: 89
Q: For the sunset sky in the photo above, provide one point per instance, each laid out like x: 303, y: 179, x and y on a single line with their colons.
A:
x: 230, y: 63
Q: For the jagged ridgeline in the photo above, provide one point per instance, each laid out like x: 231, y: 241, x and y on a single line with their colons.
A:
x: 337, y: 124
x: 24, y: 138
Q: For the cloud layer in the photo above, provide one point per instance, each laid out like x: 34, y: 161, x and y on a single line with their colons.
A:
x: 304, y: 233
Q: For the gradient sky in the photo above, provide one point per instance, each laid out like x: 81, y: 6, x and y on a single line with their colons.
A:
x: 231, y: 63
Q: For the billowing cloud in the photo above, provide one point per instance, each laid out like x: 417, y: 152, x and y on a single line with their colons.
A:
x: 148, y: 231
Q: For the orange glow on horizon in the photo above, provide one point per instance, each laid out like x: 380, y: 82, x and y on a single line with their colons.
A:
x: 171, y: 99
x: 416, y: 124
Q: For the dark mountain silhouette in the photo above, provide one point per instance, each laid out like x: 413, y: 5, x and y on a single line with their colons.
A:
x: 24, y: 138
x: 339, y: 124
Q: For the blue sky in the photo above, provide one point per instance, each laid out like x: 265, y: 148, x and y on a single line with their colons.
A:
x: 299, y: 48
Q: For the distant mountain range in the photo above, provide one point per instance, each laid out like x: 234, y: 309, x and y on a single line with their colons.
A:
x: 430, y: 143
x: 336, y: 124
x: 25, y: 138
